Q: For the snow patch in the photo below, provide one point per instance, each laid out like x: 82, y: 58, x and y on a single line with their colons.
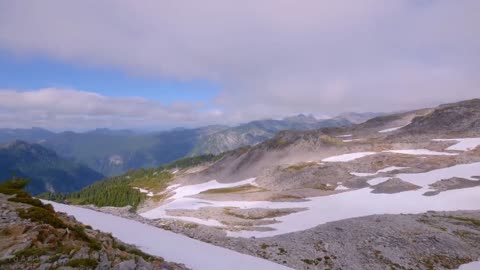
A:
x: 172, y: 186
x: 464, y: 144
x: 470, y: 266
x: 378, y: 180
x: 420, y: 152
x: 341, y: 187
x: 362, y: 202
x: 344, y: 136
x: 388, y: 169
x: 351, y: 140
x: 182, y: 249
x: 182, y: 199
x: 348, y: 157
x: 353, y: 203
x: 149, y: 193
x: 391, y: 129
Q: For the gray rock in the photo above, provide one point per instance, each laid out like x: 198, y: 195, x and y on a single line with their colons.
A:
x: 104, y: 262
x: 126, y: 265
x: 143, y: 265
x: 45, y: 266
x: 83, y: 253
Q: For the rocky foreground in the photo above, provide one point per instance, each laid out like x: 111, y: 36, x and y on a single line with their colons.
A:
x: 433, y: 240
x: 33, y: 236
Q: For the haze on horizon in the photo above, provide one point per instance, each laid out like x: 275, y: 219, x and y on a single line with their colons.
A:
x: 156, y: 64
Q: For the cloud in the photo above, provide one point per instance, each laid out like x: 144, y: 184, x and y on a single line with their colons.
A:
x: 271, y: 57
x: 80, y: 110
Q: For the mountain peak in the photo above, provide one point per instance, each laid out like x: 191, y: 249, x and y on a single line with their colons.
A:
x: 301, y: 118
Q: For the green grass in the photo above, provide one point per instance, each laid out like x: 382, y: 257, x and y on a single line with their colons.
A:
x: 156, y: 181
x: 302, y: 166
x: 324, y: 187
x: 246, y: 188
x: 273, y: 213
x: 41, y: 215
x: 31, y: 251
x: 472, y: 221
x: 27, y: 200
x: 14, y: 186
x: 331, y: 141
x: 83, y: 263
x: 281, y: 197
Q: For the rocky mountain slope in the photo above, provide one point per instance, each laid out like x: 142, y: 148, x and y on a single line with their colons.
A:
x: 258, y: 131
x: 47, y: 171
x: 455, y: 119
x: 290, y: 147
x: 433, y: 240
x: 34, y: 236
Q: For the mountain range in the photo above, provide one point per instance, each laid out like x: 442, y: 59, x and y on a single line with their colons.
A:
x: 113, y: 152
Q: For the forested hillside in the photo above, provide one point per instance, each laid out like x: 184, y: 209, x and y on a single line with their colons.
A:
x: 123, y: 190
x: 46, y: 170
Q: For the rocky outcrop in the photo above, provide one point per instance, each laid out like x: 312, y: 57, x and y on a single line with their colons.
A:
x: 394, y: 185
x: 461, y: 118
x: 33, y: 236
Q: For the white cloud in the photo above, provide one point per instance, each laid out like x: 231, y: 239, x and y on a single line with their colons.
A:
x: 272, y: 57
x: 79, y: 110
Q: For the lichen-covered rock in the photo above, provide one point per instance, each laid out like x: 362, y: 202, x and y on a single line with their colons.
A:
x: 34, y: 237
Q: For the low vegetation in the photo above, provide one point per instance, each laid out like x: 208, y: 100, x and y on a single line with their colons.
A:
x: 41, y: 213
x: 299, y: 167
x: 85, y: 263
x: 472, y: 221
x: 246, y: 188
x: 330, y: 140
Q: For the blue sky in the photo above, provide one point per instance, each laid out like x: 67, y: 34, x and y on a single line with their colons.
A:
x: 29, y: 72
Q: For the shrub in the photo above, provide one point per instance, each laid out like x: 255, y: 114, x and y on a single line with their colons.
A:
x: 14, y: 187
x: 140, y: 253
x: 27, y: 200
x: 331, y: 141
x: 80, y: 231
x: 31, y: 251
x: 41, y: 215
x: 301, y: 166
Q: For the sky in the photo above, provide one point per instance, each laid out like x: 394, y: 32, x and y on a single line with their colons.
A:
x: 78, y: 65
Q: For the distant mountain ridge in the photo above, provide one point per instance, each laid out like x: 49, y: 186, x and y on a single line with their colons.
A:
x: 113, y: 152
x: 258, y: 131
x: 46, y: 170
